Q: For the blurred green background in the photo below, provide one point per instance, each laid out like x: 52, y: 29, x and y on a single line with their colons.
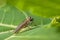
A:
x: 45, y: 14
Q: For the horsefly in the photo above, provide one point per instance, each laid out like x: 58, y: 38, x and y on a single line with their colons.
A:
x: 24, y: 24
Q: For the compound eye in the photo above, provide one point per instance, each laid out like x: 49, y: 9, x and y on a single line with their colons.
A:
x: 30, y: 18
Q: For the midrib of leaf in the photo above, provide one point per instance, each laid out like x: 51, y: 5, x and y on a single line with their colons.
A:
x: 33, y: 36
x: 12, y: 36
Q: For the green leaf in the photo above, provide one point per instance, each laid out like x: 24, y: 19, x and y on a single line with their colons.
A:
x: 11, y: 17
x: 5, y: 35
x: 39, y: 33
x: 45, y: 8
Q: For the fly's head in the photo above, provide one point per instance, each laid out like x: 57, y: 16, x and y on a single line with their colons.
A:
x: 30, y: 18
